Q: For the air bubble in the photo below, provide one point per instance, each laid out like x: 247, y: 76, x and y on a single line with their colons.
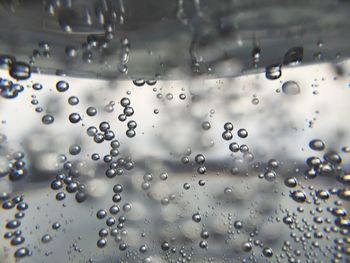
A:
x: 91, y: 111
x: 62, y: 86
x: 317, y: 145
x: 74, y: 117
x: 46, y: 238
x: 73, y: 100
x: 206, y: 125
x: 196, y: 217
x: 298, y: 196
x: 290, y: 88
x: 242, y: 133
x: 47, y: 119
x: 268, y: 252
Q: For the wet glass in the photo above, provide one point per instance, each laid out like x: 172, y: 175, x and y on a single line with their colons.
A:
x: 174, y: 131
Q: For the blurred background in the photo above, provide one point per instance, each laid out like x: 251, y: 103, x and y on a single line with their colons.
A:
x: 265, y: 192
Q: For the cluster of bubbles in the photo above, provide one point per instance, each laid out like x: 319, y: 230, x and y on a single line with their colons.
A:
x: 234, y: 147
x: 69, y: 181
x: 270, y: 173
x: 12, y: 165
x: 141, y: 82
x: 102, y: 133
x: 117, y: 165
x: 124, y: 56
x: 293, y: 56
x: 115, y: 227
x: 200, y: 160
x: 128, y: 111
x: 9, y: 90
x: 14, y: 233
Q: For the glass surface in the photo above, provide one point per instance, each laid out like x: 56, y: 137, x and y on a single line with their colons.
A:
x: 234, y: 148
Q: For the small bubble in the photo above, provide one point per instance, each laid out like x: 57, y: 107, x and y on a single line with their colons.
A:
x: 151, y: 82
x: 101, y: 243
x: 182, y: 96
x: 74, y: 149
x: 47, y: 119
x: 227, y: 135
x: 291, y: 182
x: 186, y: 186
x: 246, y: 246
x: 46, y: 238
x: 104, y: 126
x: 125, y: 102
x: 228, y: 126
x: 290, y: 88
x: 22, y: 252
x: 56, y: 225
x: 242, y: 133
x: 203, y: 244
x: 238, y: 224
x: 128, y: 111
x: 200, y: 159
x: 37, y: 86
x: 139, y: 82
x: 132, y: 125
x: 206, y: 125
x: 130, y: 133
x: 62, y: 86
x: 196, y: 217
x: 101, y: 214
x: 74, y: 117
x: 163, y: 176
x: 165, y: 246
x: 298, y: 196
x: 317, y: 145
x: 267, y: 252
x: 169, y: 96
x: 73, y: 100
x: 270, y: 176
x: 234, y: 147
x: 91, y: 111
x: 255, y: 101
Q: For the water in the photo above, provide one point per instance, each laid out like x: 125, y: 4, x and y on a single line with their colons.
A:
x: 118, y: 149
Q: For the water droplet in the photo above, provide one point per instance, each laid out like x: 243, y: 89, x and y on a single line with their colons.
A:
x: 293, y: 56
x: 273, y: 72
x: 20, y: 71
